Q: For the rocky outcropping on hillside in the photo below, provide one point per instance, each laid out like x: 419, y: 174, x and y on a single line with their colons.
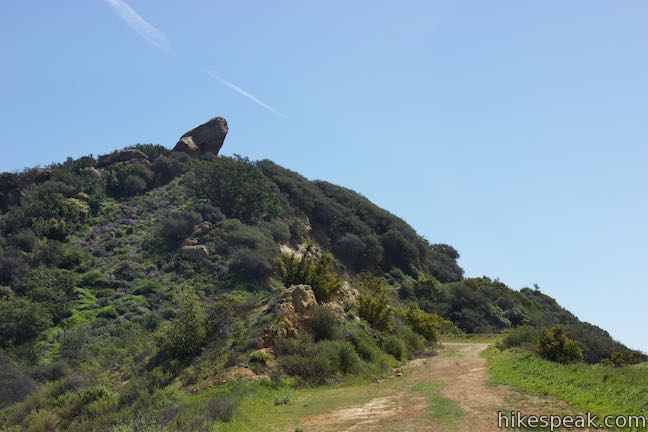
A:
x: 206, y: 138
x: 127, y: 155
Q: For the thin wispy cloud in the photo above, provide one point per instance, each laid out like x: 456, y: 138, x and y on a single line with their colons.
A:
x: 142, y: 27
x: 157, y: 38
x: 242, y: 92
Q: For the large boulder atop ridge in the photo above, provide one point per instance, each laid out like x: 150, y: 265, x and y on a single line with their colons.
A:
x: 206, y: 138
x: 128, y: 155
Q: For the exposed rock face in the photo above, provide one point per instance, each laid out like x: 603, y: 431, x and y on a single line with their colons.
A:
x: 196, y: 237
x: 295, y: 304
x: 201, y: 229
x: 194, y: 253
x: 93, y: 172
x: 206, y: 138
x: 122, y: 156
x: 303, y: 298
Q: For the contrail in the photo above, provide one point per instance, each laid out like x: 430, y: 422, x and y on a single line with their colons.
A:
x: 155, y: 37
x: 239, y: 90
x: 142, y: 27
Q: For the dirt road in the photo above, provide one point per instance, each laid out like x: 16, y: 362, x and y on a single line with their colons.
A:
x: 442, y: 393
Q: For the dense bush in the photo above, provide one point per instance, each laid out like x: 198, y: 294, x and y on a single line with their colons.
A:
x: 624, y: 358
x: 53, y: 288
x: 364, y: 236
x: 22, y: 319
x: 177, y: 226
x: 395, y: 347
x: 309, y: 269
x: 184, y: 335
x: 128, y: 179
x: 251, y: 251
x: 237, y: 187
x: 555, y: 346
x: 24, y: 240
x: 11, y: 269
x: 525, y: 337
x: 324, y: 324
x: 317, y: 363
x: 15, y: 385
x: 376, y: 310
x: 426, y: 324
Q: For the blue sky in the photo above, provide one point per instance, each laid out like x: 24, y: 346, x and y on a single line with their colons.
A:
x: 515, y: 131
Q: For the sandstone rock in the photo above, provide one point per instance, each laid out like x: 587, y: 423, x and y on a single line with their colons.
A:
x: 206, y: 138
x: 303, y: 298
x: 186, y: 145
x: 347, y: 295
x: 198, y: 233
x: 93, y: 172
x: 122, y: 156
x: 194, y: 253
x: 293, y: 308
x: 201, y: 229
x: 189, y: 241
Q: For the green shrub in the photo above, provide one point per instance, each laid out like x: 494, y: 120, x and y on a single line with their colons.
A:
x: 237, y: 187
x: 324, y: 323
x: 426, y: 324
x: 524, y: 337
x: 259, y: 357
x: 184, y: 335
x: 364, y: 345
x: 317, y: 363
x: 624, y: 358
x: 414, y: 342
x: 376, y: 310
x: 24, y: 240
x: 15, y: 385
x: 555, y: 346
x: 395, y: 347
x: 311, y: 270
x: 177, y: 226
x: 221, y: 407
x: 251, y: 251
x: 22, y: 319
x: 54, y: 289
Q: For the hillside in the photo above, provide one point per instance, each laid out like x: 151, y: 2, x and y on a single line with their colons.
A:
x: 134, y: 283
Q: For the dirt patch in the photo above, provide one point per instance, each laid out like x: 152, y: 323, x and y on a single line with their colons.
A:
x: 370, y: 416
x: 463, y: 374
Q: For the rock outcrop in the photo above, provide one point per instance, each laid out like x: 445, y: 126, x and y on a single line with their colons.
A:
x: 196, y: 237
x: 206, y: 138
x: 128, y: 155
x: 93, y: 172
x: 294, y: 307
x: 194, y: 253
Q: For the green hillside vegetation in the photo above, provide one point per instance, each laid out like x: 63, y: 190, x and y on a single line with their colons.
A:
x: 146, y: 295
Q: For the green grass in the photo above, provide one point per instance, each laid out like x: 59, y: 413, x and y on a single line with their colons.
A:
x: 441, y: 409
x: 602, y: 390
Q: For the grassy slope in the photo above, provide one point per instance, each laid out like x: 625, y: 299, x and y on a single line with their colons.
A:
x: 600, y: 389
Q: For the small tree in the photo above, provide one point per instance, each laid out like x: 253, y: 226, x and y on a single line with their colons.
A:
x: 426, y: 324
x: 376, y: 310
x: 184, y: 335
x: 555, y: 346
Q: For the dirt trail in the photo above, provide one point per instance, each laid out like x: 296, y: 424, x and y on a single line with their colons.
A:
x: 463, y: 375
